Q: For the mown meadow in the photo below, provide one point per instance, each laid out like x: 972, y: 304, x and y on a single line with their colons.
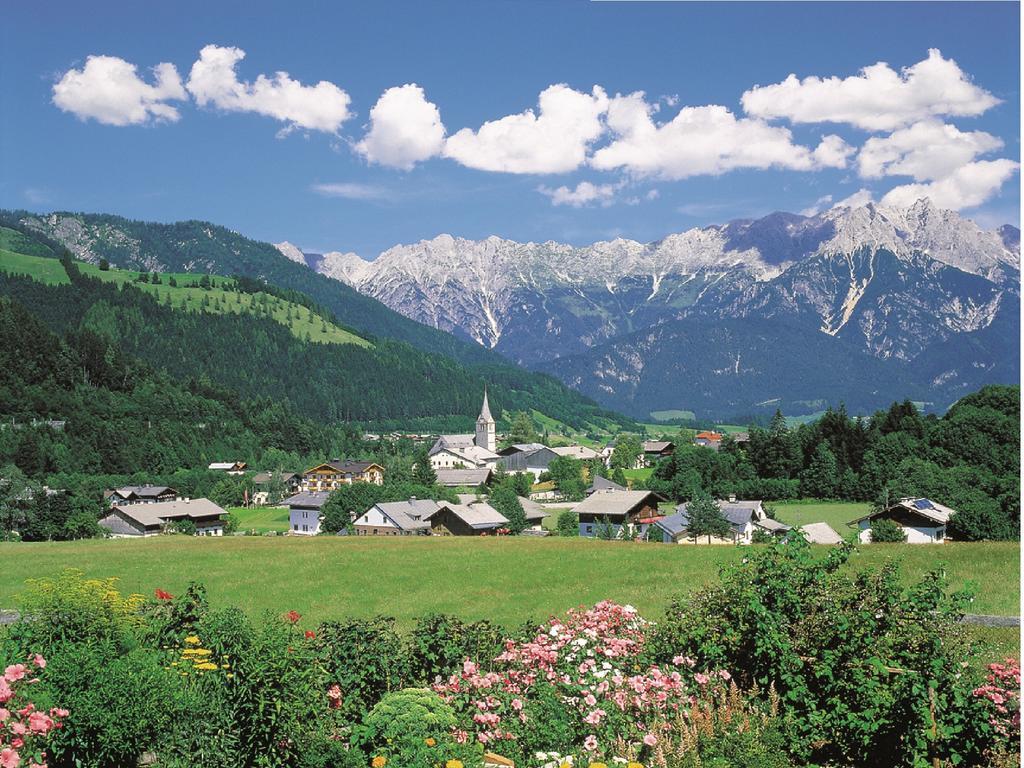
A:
x: 505, y: 580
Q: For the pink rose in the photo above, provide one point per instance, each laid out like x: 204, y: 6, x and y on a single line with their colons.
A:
x: 14, y: 673
x: 590, y: 743
x: 39, y: 722
x: 650, y: 739
x: 9, y: 758
x: 39, y: 661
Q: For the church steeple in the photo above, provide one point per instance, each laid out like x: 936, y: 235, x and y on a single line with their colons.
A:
x: 485, y: 427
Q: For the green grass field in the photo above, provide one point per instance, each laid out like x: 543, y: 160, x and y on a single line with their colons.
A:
x: 261, y: 519
x: 218, y: 298
x: 836, y: 514
x: 509, y: 580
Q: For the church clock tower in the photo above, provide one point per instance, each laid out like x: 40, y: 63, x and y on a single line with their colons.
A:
x: 485, y: 435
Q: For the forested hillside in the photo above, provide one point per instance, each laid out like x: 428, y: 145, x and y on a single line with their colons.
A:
x: 968, y: 459
x: 259, y: 357
x: 202, y: 247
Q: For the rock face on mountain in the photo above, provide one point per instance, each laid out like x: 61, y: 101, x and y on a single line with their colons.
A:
x: 874, y: 283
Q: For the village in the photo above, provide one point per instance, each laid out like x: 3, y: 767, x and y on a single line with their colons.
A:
x: 469, y: 464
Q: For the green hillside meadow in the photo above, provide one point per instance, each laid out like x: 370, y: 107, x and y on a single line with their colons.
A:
x: 219, y: 298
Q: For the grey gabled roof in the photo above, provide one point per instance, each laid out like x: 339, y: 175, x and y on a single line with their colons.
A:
x: 307, y: 500
x: 820, y: 533
x: 604, y: 484
x: 453, y: 478
x: 612, y: 503
x: 478, y: 515
x: 159, y: 512
x: 410, y: 515
x: 738, y: 514
x: 532, y: 509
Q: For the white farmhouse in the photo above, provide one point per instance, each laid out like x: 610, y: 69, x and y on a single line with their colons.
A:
x: 305, y: 512
x: 922, y: 520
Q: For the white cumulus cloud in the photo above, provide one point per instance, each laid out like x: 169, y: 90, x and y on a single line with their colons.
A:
x: 405, y: 129
x: 877, y: 99
x: 703, y: 140
x: 109, y: 90
x: 584, y: 194
x: 970, y: 185
x: 213, y: 81
x: 926, y: 150
x: 859, y: 198
x: 552, y: 140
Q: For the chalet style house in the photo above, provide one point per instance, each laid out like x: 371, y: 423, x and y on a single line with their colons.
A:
x: 476, y: 451
x: 130, y: 520
x: 922, y: 520
x: 333, y: 474
x: 655, y: 450
x: 140, y: 494
x: 470, y: 517
x: 744, y: 518
x: 397, y: 518
x: 633, y: 509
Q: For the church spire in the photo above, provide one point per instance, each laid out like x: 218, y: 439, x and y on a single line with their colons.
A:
x: 485, y: 411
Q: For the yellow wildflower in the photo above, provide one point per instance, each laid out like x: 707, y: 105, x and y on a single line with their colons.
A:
x: 205, y: 665
x: 453, y: 764
x: 429, y: 741
x: 598, y: 765
x: 634, y: 764
x: 192, y: 640
x: 379, y: 761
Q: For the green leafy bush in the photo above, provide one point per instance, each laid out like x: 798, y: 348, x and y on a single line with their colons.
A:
x: 440, y: 643
x: 871, y: 672
x: 413, y: 728
x: 884, y: 530
x: 568, y: 523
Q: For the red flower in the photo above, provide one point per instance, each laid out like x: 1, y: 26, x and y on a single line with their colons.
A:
x: 293, y: 616
x: 162, y: 595
x: 310, y: 634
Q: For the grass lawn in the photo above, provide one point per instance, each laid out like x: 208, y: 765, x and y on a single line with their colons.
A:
x: 261, y: 519
x: 638, y: 474
x: 550, y: 523
x: 835, y: 513
x: 40, y: 269
x: 506, y: 580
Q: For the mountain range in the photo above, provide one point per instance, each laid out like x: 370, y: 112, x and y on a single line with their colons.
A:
x: 860, y: 304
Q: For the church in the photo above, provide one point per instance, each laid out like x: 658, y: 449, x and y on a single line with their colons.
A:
x: 477, y: 451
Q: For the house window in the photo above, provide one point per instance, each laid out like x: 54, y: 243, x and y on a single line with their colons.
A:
x: 588, y: 529
x: 295, y: 527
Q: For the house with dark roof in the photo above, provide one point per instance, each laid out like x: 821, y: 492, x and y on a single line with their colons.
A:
x: 922, y: 520
x: 305, y: 512
x: 744, y: 518
x: 618, y: 508
x: 140, y: 494
x: 333, y: 474
x: 534, y: 512
x: 132, y: 520
x: 654, y: 450
x: 231, y: 467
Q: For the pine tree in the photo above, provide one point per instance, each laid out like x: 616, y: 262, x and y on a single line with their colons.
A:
x: 505, y: 501
x: 821, y: 479
x: 706, y: 519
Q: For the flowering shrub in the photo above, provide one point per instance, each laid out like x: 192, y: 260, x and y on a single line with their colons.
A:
x: 1002, y: 690
x: 580, y: 682
x: 23, y: 727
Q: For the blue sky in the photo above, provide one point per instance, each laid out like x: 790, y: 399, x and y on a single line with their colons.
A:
x: 287, y: 163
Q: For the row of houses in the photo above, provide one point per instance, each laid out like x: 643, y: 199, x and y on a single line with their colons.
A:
x: 471, y: 516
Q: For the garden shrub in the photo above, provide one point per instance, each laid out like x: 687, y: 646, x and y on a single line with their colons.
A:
x: 440, y: 643
x: 412, y: 728
x: 887, y: 531
x: 366, y: 658
x: 870, y: 672
x: 568, y: 523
